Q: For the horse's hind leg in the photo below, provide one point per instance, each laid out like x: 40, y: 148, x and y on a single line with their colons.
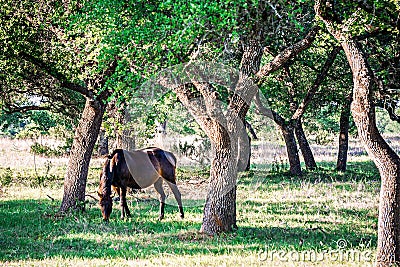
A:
x: 159, y: 188
x: 123, y: 204
x: 177, y: 195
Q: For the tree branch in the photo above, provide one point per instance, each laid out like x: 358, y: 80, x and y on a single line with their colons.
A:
x: 57, y: 75
x: 266, y: 111
x: 287, y: 54
x: 390, y: 107
x: 251, y: 130
x: 23, y: 109
x: 320, y: 77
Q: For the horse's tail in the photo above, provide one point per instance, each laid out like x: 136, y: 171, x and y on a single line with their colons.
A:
x: 171, y: 158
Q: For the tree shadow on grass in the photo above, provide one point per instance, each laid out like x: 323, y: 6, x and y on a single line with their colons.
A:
x: 363, y: 171
x: 29, y: 231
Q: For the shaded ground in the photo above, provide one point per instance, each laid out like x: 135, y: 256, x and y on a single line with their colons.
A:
x: 275, y: 212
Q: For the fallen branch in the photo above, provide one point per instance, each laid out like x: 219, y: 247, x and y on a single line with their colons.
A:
x: 87, y: 195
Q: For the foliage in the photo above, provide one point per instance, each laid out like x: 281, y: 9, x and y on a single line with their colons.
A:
x: 80, y: 40
x: 6, y: 176
x: 47, y: 151
x: 385, y: 124
x: 11, y: 124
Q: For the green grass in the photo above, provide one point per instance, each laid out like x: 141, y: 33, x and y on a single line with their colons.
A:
x: 275, y: 212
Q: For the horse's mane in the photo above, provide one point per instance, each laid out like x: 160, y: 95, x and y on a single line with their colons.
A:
x: 110, y: 156
x: 107, y: 175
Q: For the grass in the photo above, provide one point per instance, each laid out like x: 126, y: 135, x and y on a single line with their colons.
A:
x: 276, y: 214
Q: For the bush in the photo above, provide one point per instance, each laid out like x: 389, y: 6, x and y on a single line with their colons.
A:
x: 47, y: 151
x: 6, y: 176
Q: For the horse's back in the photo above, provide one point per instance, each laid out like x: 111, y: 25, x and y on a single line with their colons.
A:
x: 161, y: 155
x: 150, y: 162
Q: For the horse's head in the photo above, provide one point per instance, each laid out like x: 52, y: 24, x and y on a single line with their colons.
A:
x: 105, y: 202
x: 104, y: 191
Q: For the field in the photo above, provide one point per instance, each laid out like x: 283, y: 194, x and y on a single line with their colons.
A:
x: 324, y: 218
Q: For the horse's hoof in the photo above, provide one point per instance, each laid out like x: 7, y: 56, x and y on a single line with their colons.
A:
x: 160, y: 217
x: 182, y: 216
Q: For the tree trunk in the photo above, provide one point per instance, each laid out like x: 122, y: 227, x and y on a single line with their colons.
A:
x: 220, y: 207
x: 291, y: 148
x: 81, y: 151
x: 126, y: 140
x: 244, y: 150
x: 225, y: 132
x: 103, y: 143
x: 125, y: 135
x: 386, y: 160
x: 304, y: 146
x: 343, y: 137
x: 249, y: 157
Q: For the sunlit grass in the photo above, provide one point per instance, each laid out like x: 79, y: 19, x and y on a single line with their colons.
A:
x: 275, y: 212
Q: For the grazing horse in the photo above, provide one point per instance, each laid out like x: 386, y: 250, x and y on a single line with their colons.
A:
x: 138, y: 169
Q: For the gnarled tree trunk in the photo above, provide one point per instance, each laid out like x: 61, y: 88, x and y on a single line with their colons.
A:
x: 220, y: 207
x: 308, y: 156
x: 386, y: 160
x: 291, y: 149
x: 81, y: 151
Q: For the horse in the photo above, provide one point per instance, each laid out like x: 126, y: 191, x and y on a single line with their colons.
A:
x: 137, y: 169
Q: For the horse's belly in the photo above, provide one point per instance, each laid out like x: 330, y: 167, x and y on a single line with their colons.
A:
x: 143, y: 180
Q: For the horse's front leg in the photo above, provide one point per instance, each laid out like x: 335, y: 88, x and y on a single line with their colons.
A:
x: 116, y: 190
x: 123, y: 204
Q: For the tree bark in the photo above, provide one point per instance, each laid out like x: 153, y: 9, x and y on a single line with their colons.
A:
x: 308, y: 156
x: 124, y: 135
x: 291, y: 149
x: 341, y: 164
x: 244, y: 150
x: 287, y: 133
x: 81, y: 151
x: 386, y: 160
x: 103, y: 143
x: 220, y: 207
